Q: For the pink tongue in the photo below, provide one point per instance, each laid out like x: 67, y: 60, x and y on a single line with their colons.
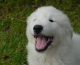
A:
x: 41, y: 42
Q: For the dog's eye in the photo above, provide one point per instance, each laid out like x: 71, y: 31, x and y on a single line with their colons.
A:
x: 34, y: 19
x: 51, y: 20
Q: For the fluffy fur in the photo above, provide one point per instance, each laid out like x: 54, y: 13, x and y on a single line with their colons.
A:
x: 65, y: 48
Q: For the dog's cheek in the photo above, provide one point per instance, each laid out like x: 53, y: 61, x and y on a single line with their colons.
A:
x: 30, y: 28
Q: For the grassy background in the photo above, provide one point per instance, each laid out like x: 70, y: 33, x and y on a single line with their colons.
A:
x: 13, y: 14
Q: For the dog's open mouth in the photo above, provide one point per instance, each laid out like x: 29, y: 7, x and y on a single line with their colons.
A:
x: 42, y: 42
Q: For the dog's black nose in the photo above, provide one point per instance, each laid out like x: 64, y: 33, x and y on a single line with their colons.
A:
x: 37, y: 29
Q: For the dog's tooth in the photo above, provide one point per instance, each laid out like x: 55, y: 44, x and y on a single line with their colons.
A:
x: 48, y: 39
x: 36, y: 39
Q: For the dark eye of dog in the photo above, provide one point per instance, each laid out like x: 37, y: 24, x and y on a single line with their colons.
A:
x: 34, y: 19
x: 51, y: 20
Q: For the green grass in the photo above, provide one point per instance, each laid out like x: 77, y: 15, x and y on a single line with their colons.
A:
x: 12, y: 42
x: 13, y: 14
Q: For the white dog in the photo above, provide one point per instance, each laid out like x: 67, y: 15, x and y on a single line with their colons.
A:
x: 51, y: 40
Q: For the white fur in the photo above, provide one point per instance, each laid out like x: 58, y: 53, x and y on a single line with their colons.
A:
x: 65, y: 48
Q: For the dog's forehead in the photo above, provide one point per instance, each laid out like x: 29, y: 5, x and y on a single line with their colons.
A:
x: 46, y: 9
x: 47, y: 12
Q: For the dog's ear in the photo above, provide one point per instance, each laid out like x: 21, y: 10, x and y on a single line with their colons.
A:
x: 66, y: 27
x: 31, y: 18
x: 64, y: 23
x: 69, y: 28
x: 71, y: 32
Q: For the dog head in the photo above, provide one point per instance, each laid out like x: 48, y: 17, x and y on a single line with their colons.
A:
x: 48, y: 26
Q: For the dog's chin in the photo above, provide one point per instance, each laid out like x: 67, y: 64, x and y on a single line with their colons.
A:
x: 42, y: 42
